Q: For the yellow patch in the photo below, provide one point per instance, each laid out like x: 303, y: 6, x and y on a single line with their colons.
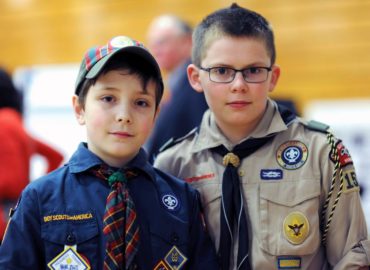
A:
x: 296, y: 228
x: 69, y: 259
x: 59, y: 217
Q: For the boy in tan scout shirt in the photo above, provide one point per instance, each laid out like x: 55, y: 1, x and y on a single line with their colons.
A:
x: 278, y: 192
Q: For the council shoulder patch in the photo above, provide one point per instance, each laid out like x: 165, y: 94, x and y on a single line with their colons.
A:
x: 292, y: 155
x: 343, y: 154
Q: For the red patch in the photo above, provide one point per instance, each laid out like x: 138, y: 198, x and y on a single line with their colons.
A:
x: 201, y: 177
x: 344, y: 156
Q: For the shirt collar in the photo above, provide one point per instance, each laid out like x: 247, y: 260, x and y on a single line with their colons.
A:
x: 83, y: 159
x: 210, y: 135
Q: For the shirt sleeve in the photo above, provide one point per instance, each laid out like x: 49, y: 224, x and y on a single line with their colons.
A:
x: 345, y: 239
x: 21, y: 247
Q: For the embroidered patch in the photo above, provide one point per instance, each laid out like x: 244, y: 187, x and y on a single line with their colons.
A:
x: 161, y: 265
x: 289, y: 262
x: 350, y: 184
x: 170, y: 202
x: 68, y: 259
x: 296, y: 228
x: 175, y: 259
x: 271, y: 174
x: 292, y: 155
x: 208, y: 176
x: 59, y: 217
x: 344, y: 156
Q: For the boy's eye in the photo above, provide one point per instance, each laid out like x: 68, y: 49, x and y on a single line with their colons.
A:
x: 254, y: 70
x: 221, y: 70
x: 107, y: 98
x: 142, y: 103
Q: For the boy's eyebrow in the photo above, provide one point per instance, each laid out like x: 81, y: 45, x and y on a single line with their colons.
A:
x: 255, y: 64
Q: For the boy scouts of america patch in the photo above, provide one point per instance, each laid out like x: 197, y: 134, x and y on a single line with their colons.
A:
x: 292, y: 155
x: 344, y: 156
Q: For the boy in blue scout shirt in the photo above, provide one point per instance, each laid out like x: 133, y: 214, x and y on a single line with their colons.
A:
x: 278, y: 192
x: 151, y: 221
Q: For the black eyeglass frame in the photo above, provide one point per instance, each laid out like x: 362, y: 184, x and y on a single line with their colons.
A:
x: 236, y: 71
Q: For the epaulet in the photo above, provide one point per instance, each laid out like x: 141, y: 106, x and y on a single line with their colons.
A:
x: 171, y: 142
x: 317, y: 126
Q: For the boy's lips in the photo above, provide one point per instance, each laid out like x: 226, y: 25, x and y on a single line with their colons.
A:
x: 121, y: 134
x: 238, y: 103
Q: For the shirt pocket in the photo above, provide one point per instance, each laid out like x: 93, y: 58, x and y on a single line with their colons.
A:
x: 82, y: 234
x: 166, y: 235
x: 289, y: 217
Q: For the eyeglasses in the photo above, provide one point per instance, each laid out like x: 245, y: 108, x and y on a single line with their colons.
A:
x: 227, y: 74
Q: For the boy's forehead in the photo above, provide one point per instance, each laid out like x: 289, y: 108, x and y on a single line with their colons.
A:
x: 124, y: 79
x: 225, y: 49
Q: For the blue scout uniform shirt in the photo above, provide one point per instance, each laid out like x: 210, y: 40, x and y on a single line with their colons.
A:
x: 65, y: 210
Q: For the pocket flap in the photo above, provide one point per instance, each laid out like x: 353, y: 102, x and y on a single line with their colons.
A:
x: 290, y: 193
x: 172, y: 233
x: 69, y: 233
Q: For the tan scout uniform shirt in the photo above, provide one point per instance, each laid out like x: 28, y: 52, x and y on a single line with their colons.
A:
x: 285, y: 185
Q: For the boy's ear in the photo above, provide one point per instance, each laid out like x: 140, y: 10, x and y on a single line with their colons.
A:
x: 194, y: 79
x: 78, y: 110
x: 275, y: 74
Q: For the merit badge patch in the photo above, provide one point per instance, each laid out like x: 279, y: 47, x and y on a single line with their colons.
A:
x: 289, y: 262
x: 170, y: 202
x: 161, y: 266
x: 69, y: 259
x: 296, y: 228
x: 292, y: 155
x: 343, y: 154
x: 175, y: 259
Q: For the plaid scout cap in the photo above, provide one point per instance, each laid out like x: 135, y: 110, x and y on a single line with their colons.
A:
x: 96, y: 58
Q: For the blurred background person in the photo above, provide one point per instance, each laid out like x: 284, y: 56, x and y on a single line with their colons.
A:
x: 169, y: 39
x: 17, y: 147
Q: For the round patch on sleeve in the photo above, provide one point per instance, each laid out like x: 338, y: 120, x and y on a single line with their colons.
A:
x: 292, y: 155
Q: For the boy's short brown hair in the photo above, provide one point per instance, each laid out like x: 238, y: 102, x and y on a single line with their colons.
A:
x: 233, y: 21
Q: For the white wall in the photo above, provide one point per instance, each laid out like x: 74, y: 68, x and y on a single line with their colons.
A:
x: 48, y: 112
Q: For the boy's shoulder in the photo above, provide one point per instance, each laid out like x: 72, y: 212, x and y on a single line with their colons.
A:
x: 175, y: 141
x: 49, y: 182
x: 316, y: 126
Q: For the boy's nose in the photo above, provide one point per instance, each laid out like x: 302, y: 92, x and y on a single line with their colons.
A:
x: 239, y: 84
x: 124, y: 116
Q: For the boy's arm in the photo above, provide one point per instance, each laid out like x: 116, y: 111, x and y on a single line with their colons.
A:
x: 202, y: 251
x: 21, y: 248
x: 347, y: 246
